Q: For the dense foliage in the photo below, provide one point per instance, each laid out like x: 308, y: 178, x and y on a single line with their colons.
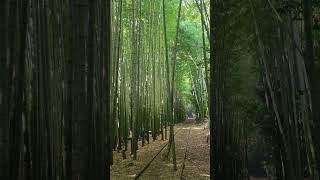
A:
x: 80, y: 80
x: 264, y: 67
x: 54, y: 89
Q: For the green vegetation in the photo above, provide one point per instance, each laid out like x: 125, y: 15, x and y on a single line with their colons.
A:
x: 82, y: 80
x: 264, y: 92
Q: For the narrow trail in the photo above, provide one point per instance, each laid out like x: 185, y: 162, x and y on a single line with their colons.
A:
x: 192, y: 153
x: 198, y: 155
x: 129, y: 169
x: 192, y: 157
x: 148, y: 164
x: 162, y: 168
x: 185, y: 156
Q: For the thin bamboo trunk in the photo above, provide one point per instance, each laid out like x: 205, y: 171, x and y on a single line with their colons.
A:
x: 4, y: 92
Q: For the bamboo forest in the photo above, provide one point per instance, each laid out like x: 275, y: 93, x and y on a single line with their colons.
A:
x: 160, y: 89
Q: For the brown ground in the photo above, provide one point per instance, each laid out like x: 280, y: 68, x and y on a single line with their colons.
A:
x: 196, y: 163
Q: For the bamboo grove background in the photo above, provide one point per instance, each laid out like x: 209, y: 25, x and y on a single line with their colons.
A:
x: 81, y: 79
x: 277, y: 44
x: 54, y: 97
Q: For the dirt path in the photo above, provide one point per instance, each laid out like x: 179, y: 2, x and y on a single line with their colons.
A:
x: 196, y: 162
x: 197, y: 165
x: 127, y: 168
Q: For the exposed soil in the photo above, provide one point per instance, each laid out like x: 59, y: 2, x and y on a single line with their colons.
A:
x: 196, y: 163
x: 128, y: 168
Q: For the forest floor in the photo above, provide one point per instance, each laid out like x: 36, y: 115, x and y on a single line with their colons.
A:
x: 188, y: 135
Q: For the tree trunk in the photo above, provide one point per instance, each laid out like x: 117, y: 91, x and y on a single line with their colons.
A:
x: 214, y: 166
